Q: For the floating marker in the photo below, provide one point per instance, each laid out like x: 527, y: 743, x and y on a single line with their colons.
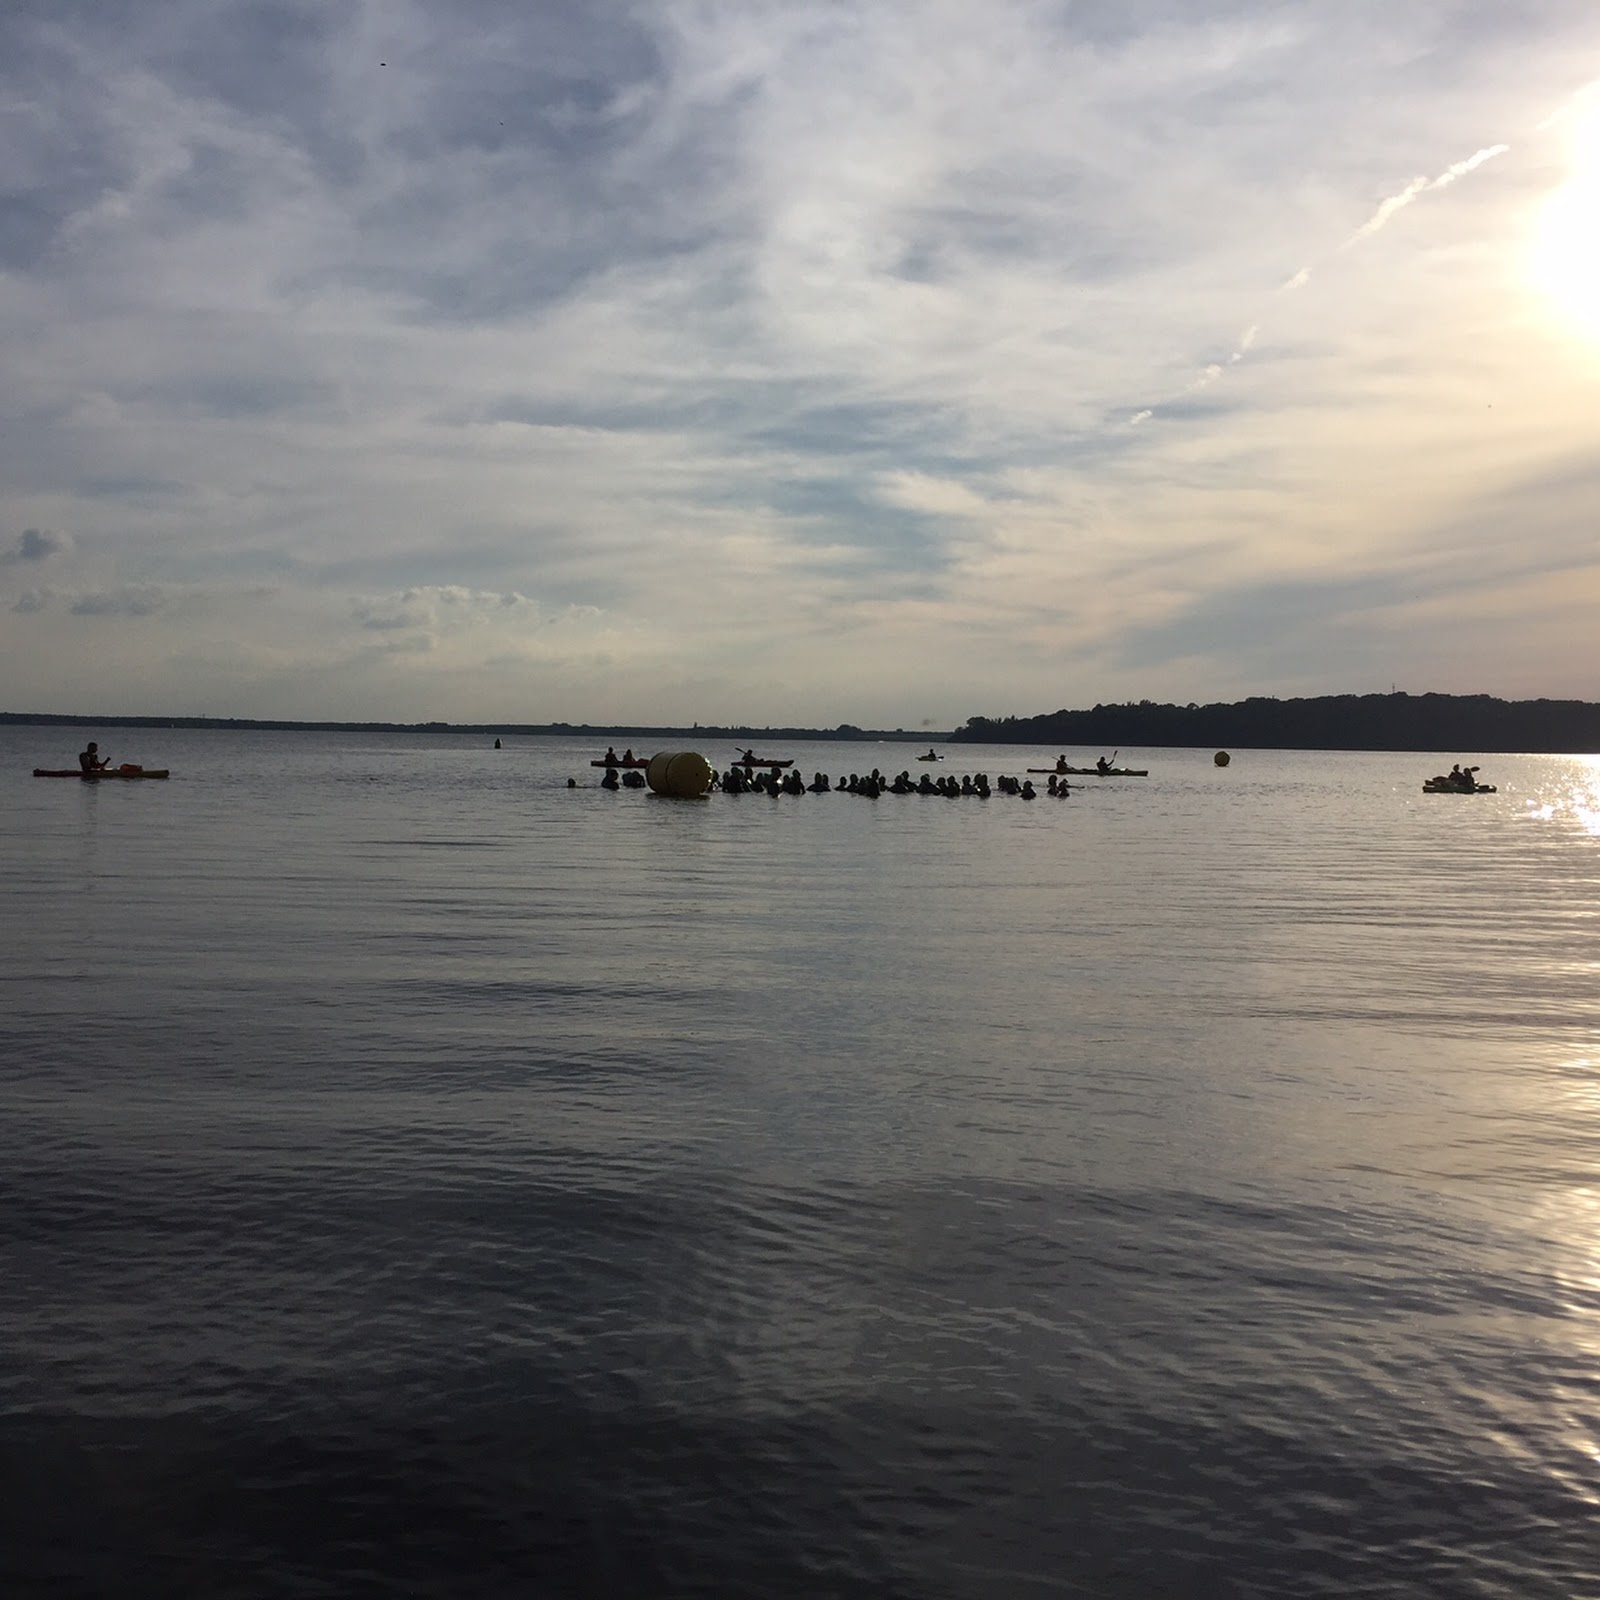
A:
x: 679, y: 772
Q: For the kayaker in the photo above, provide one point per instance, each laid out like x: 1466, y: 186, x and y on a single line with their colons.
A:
x: 611, y: 755
x: 89, y: 760
x: 932, y: 755
x: 627, y: 755
x: 1102, y: 766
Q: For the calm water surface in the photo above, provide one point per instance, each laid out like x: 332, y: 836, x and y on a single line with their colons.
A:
x: 420, y: 1178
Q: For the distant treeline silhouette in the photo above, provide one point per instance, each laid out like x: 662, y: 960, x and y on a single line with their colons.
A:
x: 739, y: 732
x: 1455, y: 723
x: 1447, y: 722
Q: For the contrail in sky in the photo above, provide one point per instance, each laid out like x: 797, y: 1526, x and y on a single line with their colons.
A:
x: 1386, y: 209
x: 1397, y: 202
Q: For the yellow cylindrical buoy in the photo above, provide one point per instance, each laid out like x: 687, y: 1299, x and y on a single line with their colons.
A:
x: 679, y: 772
x: 1221, y: 758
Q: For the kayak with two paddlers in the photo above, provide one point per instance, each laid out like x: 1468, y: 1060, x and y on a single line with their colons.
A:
x: 97, y: 774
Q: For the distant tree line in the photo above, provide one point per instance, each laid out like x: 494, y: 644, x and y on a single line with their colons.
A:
x: 1447, y: 722
x: 605, y: 731
x: 1452, y: 723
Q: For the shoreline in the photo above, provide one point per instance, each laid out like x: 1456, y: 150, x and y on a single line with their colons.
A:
x: 1442, y: 723
x: 610, y: 732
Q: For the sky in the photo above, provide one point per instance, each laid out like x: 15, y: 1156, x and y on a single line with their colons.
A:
x: 794, y: 363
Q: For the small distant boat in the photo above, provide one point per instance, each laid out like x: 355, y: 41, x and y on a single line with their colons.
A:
x: 127, y: 770
x: 757, y: 761
x: 1095, y: 772
x: 1458, y: 780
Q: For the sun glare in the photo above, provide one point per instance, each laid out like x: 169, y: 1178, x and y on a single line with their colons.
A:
x: 1566, y: 245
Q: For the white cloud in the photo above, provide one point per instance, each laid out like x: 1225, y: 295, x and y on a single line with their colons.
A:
x: 434, y: 605
x: 918, y: 491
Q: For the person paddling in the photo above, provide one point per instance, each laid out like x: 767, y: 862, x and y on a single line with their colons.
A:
x: 89, y: 760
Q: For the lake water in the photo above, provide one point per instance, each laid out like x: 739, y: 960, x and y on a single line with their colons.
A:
x: 418, y: 1177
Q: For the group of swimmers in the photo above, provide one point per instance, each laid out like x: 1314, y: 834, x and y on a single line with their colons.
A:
x: 750, y: 775
x: 741, y: 780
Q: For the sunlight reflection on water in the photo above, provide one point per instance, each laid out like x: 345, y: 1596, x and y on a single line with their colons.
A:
x: 1575, y: 781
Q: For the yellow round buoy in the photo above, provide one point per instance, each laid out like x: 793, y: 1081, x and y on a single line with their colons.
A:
x: 1221, y: 758
x: 679, y: 772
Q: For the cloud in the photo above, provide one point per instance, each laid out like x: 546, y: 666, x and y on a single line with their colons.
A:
x: 36, y: 544
x: 386, y: 615
x: 129, y: 600
x: 435, y: 605
x: 916, y: 491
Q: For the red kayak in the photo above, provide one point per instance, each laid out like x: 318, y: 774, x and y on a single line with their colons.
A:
x: 638, y: 761
x: 126, y: 771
